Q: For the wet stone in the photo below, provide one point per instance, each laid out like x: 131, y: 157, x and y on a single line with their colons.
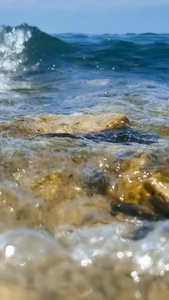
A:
x: 89, y: 186
x: 140, y: 190
x: 89, y: 263
x: 76, y: 216
x: 30, y: 126
x: 96, y: 181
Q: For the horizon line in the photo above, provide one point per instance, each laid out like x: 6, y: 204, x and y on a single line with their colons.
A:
x: 86, y: 33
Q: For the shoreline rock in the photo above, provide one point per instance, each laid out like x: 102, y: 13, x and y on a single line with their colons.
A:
x: 30, y: 126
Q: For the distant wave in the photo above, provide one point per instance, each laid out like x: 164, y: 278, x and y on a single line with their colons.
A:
x: 26, y: 48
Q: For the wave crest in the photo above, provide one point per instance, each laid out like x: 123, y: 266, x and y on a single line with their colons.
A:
x: 12, y: 44
x: 24, y: 47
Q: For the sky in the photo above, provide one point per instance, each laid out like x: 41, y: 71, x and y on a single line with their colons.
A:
x: 88, y: 16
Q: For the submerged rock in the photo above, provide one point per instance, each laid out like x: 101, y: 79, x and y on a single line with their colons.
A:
x: 64, y: 208
x: 47, y: 182
x: 30, y: 126
x: 142, y: 187
x: 85, y: 263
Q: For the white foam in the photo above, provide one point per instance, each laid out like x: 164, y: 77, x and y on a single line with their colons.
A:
x: 12, y: 44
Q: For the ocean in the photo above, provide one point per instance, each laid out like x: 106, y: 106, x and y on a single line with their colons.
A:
x: 84, y: 165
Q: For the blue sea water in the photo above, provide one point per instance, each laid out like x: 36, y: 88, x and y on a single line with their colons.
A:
x: 69, y: 73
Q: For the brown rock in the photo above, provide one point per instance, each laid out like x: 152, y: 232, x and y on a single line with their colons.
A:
x: 63, y: 124
x: 139, y: 189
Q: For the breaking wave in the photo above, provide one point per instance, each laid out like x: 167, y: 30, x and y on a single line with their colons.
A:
x: 24, y: 47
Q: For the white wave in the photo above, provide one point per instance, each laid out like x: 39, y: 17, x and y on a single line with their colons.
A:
x: 12, y: 44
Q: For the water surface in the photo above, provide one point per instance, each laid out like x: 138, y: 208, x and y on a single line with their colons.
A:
x: 83, y: 214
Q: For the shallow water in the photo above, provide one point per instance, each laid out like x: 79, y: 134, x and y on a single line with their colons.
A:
x: 84, y: 190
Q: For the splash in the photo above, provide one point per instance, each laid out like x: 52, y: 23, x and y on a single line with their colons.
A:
x: 24, y: 48
x: 12, y: 44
